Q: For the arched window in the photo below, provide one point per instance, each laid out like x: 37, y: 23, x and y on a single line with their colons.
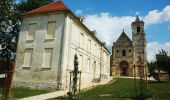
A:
x: 123, y: 52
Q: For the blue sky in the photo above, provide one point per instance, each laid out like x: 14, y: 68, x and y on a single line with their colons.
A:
x: 109, y: 17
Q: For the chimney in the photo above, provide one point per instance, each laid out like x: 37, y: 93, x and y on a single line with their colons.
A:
x: 81, y: 18
x: 94, y: 32
x: 104, y: 43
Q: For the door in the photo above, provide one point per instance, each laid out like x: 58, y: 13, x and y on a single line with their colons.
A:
x: 124, y: 71
x: 124, y: 68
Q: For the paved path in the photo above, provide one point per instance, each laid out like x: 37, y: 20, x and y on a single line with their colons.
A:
x: 58, y: 93
x: 149, y: 78
x: 46, y: 96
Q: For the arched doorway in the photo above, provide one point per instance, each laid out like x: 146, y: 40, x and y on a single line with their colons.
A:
x: 123, y: 68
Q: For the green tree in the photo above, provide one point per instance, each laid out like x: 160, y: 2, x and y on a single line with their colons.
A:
x: 28, y: 5
x: 152, y: 66
x: 163, y: 61
x: 10, y: 22
x: 75, y: 72
x: 9, y: 27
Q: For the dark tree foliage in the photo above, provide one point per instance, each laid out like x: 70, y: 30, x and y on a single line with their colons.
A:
x: 75, y: 72
x: 152, y: 66
x: 10, y: 22
x: 28, y: 5
x: 163, y: 61
x: 9, y: 29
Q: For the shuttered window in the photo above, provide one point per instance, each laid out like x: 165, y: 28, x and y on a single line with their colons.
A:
x: 31, y: 31
x: 81, y: 40
x: 47, y: 62
x: 88, y: 65
x: 89, y: 45
x: 28, y: 57
x: 51, y: 30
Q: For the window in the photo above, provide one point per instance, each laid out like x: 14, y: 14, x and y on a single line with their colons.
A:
x: 138, y: 29
x: 51, y: 30
x: 88, y: 65
x: 95, y: 49
x: 94, y: 69
x: 123, y: 52
x: 47, y: 62
x: 89, y: 45
x: 117, y: 51
x: 129, y: 50
x: 99, y: 52
x: 28, y: 57
x: 81, y: 40
x: 81, y: 63
x: 31, y: 31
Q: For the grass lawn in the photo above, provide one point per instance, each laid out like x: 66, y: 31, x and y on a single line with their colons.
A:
x: 124, y: 87
x: 23, y: 92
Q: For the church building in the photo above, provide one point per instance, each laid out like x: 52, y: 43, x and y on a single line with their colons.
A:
x: 125, y: 52
x: 50, y: 37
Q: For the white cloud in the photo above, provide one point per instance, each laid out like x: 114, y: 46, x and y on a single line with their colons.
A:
x: 109, y: 27
x: 79, y: 12
x: 156, y: 16
x: 155, y: 47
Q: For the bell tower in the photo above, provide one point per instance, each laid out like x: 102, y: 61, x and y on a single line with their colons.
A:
x: 138, y: 39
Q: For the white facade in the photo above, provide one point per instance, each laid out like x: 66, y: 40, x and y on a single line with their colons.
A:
x: 46, y: 49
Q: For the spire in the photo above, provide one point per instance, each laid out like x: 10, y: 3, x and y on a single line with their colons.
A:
x: 137, y: 18
x: 123, y: 31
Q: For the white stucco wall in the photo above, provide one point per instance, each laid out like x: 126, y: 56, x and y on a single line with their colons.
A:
x: 72, y: 46
x: 43, y: 77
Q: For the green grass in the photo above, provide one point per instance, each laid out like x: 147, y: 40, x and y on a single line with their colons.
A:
x: 123, y: 87
x: 160, y: 90
x: 25, y: 92
x: 118, y: 88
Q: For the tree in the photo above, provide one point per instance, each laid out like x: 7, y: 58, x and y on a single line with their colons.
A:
x: 152, y: 66
x: 163, y: 61
x: 75, y: 72
x: 10, y: 22
x: 9, y: 28
x: 28, y: 5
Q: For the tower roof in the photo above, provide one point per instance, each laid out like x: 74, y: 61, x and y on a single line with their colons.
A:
x: 137, y: 19
x: 52, y: 7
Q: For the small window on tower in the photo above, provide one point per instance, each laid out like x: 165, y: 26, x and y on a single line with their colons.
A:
x: 117, y: 51
x: 129, y: 50
x: 138, y: 29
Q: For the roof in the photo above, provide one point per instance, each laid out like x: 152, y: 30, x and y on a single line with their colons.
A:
x: 55, y: 6
x: 137, y: 19
x: 123, y: 35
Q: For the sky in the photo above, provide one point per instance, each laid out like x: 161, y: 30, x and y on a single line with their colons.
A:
x: 110, y: 17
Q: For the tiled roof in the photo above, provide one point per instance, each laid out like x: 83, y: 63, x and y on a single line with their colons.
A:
x: 55, y: 6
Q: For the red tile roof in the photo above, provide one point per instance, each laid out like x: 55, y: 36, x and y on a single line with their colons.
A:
x: 55, y: 6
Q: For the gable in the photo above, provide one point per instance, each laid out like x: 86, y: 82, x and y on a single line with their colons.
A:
x: 123, y: 41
